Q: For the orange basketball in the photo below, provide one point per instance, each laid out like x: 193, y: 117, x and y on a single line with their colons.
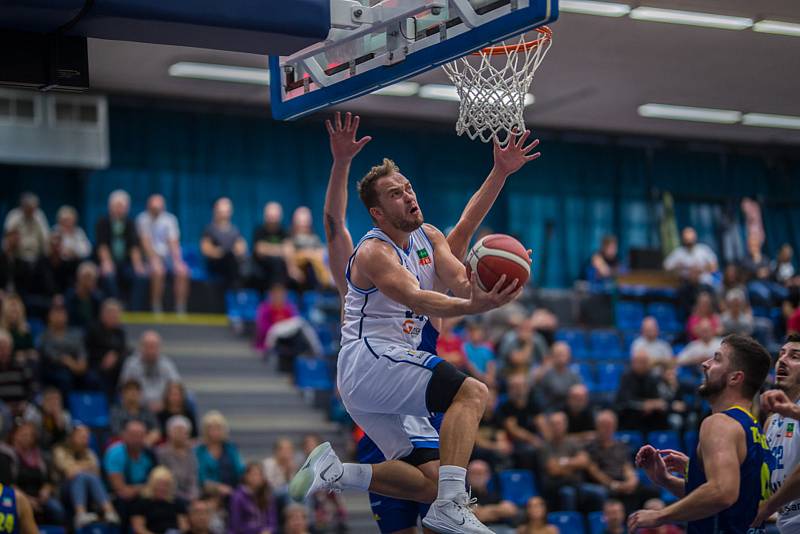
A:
x: 496, y: 255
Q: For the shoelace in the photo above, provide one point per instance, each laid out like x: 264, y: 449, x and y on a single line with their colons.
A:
x: 469, y: 504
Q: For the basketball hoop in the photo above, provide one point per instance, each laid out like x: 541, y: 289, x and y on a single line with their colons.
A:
x: 493, y: 96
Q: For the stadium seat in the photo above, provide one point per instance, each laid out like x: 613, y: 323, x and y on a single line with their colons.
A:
x: 608, y: 376
x: 628, y: 340
x: 665, y: 439
x: 194, y: 262
x: 567, y: 522
x: 312, y: 373
x: 605, y: 345
x: 666, y: 315
x: 37, y: 327
x: 597, y: 523
x: 632, y: 438
x: 517, y: 486
x: 586, y: 372
x: 90, y: 408
x: 242, y: 305
x: 629, y: 315
x: 52, y: 529
x: 99, y: 528
x: 576, y: 339
x: 690, y: 438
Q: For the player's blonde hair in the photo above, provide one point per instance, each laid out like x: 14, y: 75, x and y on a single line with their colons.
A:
x: 366, y: 186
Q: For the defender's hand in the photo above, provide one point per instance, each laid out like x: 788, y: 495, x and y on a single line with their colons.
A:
x: 511, y: 158
x: 344, y: 146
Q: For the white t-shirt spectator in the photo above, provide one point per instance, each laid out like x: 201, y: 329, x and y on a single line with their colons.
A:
x: 699, y: 257
x: 159, y: 230
x: 698, y: 351
x: 34, y: 234
x: 74, y: 245
x: 153, y: 378
x: 659, y: 350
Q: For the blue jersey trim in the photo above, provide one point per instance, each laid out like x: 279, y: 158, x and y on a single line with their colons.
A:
x: 363, y: 315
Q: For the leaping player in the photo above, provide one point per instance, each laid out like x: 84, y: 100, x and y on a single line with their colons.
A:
x: 387, y: 385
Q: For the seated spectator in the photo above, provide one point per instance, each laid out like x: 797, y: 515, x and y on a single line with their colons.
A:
x: 133, y: 408
x: 580, y: 417
x: 117, y: 247
x: 14, y: 320
x: 554, y: 384
x: 199, y: 518
x: 658, y: 504
x: 692, y: 256
x: 308, y: 252
x: 273, y: 251
x: 32, y: 281
x: 565, y: 467
x: 783, y: 270
x: 480, y: 360
x: 703, y: 310
x: 522, y: 419
x: 151, y: 369
x: 60, y: 274
x: 281, y: 467
x: 107, y: 347
x: 31, y: 223
x: 79, y: 468
x: 15, y: 380
x: 75, y: 246
x: 639, y: 400
x: 35, y: 475
x: 54, y: 423
x: 492, y: 444
x: 702, y: 348
x: 490, y: 507
x: 275, y: 308
x: 737, y: 317
x: 222, y: 244
x: 157, y: 510
x: 612, y: 466
x: 176, y: 403
x: 658, y: 350
x: 791, y: 312
x: 605, y: 263
x: 764, y: 291
x: 63, y: 358
x: 253, y: 509
x: 160, y: 237
x: 83, y: 301
x: 536, y: 518
x: 176, y: 454
x: 220, y: 465
x: 731, y: 279
x: 449, y: 346
x: 521, y: 347
x: 127, y: 465
x: 295, y: 520
x: 614, y: 517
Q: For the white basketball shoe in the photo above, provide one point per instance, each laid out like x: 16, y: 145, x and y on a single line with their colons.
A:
x: 454, y: 517
x: 322, y: 471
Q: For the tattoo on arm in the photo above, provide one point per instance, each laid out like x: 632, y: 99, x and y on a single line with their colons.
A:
x: 330, y: 222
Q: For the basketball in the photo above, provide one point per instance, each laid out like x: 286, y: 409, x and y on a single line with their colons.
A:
x: 496, y: 255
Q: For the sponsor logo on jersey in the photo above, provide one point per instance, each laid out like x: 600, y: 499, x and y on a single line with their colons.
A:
x: 424, y: 258
x: 789, y: 430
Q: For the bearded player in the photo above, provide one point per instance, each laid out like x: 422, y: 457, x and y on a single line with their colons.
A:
x: 387, y: 385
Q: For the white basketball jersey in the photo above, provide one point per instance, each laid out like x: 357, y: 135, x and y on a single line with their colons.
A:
x: 783, y: 438
x: 370, y: 313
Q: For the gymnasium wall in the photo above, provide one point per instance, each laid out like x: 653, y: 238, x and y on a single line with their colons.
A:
x: 577, y: 192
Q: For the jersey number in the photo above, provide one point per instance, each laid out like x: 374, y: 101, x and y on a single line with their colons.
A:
x: 6, y: 523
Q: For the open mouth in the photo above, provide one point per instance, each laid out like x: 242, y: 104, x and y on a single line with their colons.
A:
x: 781, y: 373
x: 414, y: 210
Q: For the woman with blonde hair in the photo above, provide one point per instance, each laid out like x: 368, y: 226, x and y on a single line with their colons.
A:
x: 15, y: 321
x: 219, y: 462
x: 158, y: 511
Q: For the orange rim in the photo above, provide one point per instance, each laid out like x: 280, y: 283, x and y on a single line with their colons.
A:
x: 546, y: 34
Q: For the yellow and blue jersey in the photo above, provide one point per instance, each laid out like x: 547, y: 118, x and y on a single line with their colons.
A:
x: 9, y: 519
x: 754, y: 482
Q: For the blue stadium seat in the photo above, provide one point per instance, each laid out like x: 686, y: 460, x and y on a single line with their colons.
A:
x: 576, y: 339
x: 586, y: 372
x: 312, y: 373
x: 52, y: 529
x: 690, y: 439
x: 632, y: 438
x: 597, y: 523
x: 99, y: 528
x: 605, y: 345
x: 194, y: 261
x: 89, y: 407
x: 517, y: 486
x: 629, y: 315
x: 37, y: 327
x: 567, y: 522
x: 608, y: 375
x: 242, y: 305
x: 644, y: 480
x: 665, y: 439
x: 666, y: 315
x: 627, y: 343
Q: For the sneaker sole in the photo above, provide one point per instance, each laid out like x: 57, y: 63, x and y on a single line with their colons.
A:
x: 304, y: 479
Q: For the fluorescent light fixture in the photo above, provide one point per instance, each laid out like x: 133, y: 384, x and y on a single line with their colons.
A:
x: 685, y: 113
x: 691, y: 18
x: 771, y: 121
x: 221, y: 73
x: 778, y: 27
x: 436, y: 91
x: 399, y: 89
x: 592, y: 7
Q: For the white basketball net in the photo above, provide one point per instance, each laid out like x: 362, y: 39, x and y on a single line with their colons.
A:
x: 493, y: 96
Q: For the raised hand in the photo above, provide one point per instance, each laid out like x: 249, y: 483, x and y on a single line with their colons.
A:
x: 776, y: 401
x: 511, y: 158
x: 653, y: 464
x: 344, y: 146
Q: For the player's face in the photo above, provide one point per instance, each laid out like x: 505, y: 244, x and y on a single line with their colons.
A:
x: 398, y: 203
x: 716, y: 371
x: 787, y: 369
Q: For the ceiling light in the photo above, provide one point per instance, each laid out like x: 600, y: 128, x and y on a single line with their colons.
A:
x: 691, y: 18
x: 771, y: 121
x: 685, y: 113
x: 222, y: 73
x: 777, y: 27
x: 436, y: 91
x: 592, y: 7
x: 399, y: 89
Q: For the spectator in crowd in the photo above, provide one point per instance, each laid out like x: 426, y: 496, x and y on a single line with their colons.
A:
x: 79, y: 468
x: 614, y: 517
x: 490, y: 506
x: 449, y: 346
x: 199, y: 518
x: 35, y: 475
x: 658, y: 504
x: 60, y: 274
x: 151, y: 369
x: 731, y: 279
x: 83, y: 301
x: 702, y: 348
x: 253, y: 509
x: 275, y: 308
x: 605, y: 263
x: 117, y: 246
x: 133, y: 408
x: 522, y: 346
x: 63, y: 358
x: 480, y: 359
x: 692, y: 256
x: 737, y: 317
x: 157, y: 511
x: 176, y: 403
x: 15, y: 380
x: 658, y: 350
x: 556, y: 381
x: 127, y: 464
x: 31, y: 223
x: 791, y: 312
x: 309, y: 252
x: 107, y: 347
x: 638, y: 399
x: 281, y: 466
x: 75, y: 246
x: 580, y: 419
x: 176, y: 454
x: 15, y: 322
x: 783, y: 270
x: 295, y: 520
x: 492, y: 443
x: 32, y: 281
x: 764, y: 291
x: 536, y: 518
x: 703, y: 310
x: 523, y: 421
x: 565, y: 466
x: 53, y: 422
x: 222, y: 244
x: 273, y: 251
x: 220, y: 465
x: 160, y: 236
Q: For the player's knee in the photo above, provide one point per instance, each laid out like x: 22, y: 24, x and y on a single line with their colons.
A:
x: 444, y: 386
x: 475, y: 393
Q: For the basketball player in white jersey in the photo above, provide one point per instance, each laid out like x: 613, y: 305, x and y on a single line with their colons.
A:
x: 382, y: 377
x: 783, y: 438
